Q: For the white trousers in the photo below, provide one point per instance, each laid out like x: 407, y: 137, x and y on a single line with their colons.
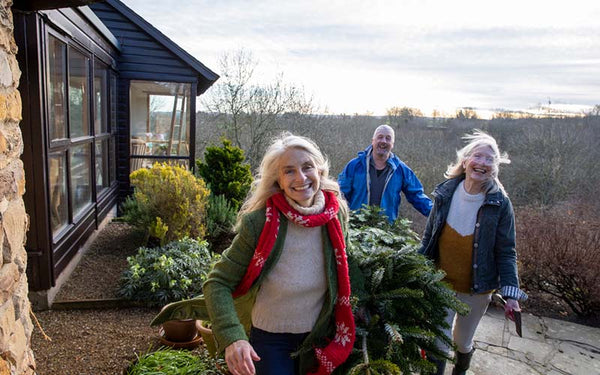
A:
x: 463, y: 327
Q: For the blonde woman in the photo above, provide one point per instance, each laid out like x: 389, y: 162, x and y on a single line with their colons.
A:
x: 470, y: 234
x: 289, y: 257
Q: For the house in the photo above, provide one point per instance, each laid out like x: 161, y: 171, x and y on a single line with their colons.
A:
x: 103, y: 93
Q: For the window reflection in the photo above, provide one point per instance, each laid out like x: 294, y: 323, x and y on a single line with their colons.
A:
x: 81, y: 193
x: 78, y: 92
x: 57, y: 77
x: 59, y: 216
x: 100, y: 94
x: 102, y: 180
x: 160, y: 118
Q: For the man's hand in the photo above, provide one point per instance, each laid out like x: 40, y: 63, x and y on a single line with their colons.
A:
x: 239, y: 356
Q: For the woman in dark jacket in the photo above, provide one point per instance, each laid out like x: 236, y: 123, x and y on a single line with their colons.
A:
x: 470, y: 234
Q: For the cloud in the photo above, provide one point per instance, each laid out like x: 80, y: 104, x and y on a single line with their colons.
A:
x: 427, y: 53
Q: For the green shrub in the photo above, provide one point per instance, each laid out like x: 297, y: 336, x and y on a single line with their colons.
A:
x: 170, y: 193
x: 166, y: 274
x: 225, y: 172
x: 399, y: 300
x: 220, y: 219
x: 173, y: 362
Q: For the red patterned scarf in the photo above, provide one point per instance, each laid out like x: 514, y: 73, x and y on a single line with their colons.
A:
x: 338, y: 349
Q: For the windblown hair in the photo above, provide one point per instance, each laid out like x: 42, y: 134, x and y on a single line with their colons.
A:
x: 265, y: 184
x: 474, y: 141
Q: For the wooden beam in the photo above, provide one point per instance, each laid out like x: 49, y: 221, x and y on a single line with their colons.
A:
x: 33, y: 5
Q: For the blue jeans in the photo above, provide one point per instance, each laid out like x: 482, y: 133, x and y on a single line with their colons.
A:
x: 274, y: 350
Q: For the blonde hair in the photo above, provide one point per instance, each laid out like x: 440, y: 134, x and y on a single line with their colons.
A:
x: 265, y: 184
x: 474, y: 141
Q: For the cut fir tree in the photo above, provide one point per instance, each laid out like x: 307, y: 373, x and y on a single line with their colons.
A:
x: 399, y: 298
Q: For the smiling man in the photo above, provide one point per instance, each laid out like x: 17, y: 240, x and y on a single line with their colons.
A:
x: 377, y: 177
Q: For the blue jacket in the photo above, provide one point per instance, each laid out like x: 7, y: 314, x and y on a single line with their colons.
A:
x: 494, y: 256
x: 355, y: 185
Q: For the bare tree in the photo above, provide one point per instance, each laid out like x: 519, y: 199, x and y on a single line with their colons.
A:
x: 248, y: 112
x: 399, y: 117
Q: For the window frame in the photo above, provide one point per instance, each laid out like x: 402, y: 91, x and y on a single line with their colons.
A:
x: 66, y: 146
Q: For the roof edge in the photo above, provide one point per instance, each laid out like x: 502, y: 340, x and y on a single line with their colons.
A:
x: 97, y: 23
x: 208, y: 74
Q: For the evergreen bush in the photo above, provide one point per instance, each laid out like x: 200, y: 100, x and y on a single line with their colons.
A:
x: 220, y: 220
x: 169, y: 200
x: 399, y: 300
x: 160, y: 275
x: 225, y: 172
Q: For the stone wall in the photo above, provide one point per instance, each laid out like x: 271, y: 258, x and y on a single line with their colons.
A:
x: 16, y: 356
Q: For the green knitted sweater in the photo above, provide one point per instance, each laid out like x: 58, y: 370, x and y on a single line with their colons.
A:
x: 231, y: 319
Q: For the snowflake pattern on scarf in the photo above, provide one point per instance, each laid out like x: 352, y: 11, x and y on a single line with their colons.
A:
x: 342, y: 334
x: 339, y: 258
x: 296, y: 218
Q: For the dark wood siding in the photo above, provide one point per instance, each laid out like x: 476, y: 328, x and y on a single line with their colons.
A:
x: 47, y: 255
x: 142, y: 57
x: 123, y: 134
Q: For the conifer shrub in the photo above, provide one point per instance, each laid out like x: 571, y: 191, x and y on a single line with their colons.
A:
x: 220, y: 220
x: 176, y: 271
x: 167, y: 200
x: 399, y: 299
x: 225, y: 172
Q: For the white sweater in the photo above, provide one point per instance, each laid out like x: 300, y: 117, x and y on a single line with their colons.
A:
x: 292, y: 295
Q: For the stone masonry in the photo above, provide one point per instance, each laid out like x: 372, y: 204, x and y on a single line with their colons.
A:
x: 16, y: 356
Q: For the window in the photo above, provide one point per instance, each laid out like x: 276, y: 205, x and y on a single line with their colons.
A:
x: 57, y: 78
x: 81, y: 157
x: 59, y: 209
x: 160, y: 122
x: 101, y: 127
x: 78, y: 94
x: 100, y: 97
x: 81, y: 187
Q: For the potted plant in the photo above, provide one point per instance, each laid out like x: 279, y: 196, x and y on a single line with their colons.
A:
x: 174, y: 272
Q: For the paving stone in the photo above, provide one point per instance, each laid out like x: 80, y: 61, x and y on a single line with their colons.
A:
x: 486, y: 363
x: 533, y: 350
x: 490, y: 330
x: 558, y: 329
x: 574, y: 360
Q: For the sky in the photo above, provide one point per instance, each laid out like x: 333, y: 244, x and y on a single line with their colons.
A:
x: 368, y: 56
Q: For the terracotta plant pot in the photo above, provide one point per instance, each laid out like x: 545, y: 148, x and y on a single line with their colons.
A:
x: 207, y: 337
x: 180, y: 330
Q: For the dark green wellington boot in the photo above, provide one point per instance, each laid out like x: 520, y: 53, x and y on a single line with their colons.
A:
x: 463, y: 361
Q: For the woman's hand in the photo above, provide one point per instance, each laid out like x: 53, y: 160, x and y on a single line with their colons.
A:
x: 239, y: 356
x: 510, y: 306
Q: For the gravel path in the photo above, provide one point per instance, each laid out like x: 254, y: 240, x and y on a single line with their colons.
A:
x: 95, y: 342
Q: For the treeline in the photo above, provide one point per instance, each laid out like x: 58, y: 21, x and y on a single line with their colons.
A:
x: 552, y: 159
